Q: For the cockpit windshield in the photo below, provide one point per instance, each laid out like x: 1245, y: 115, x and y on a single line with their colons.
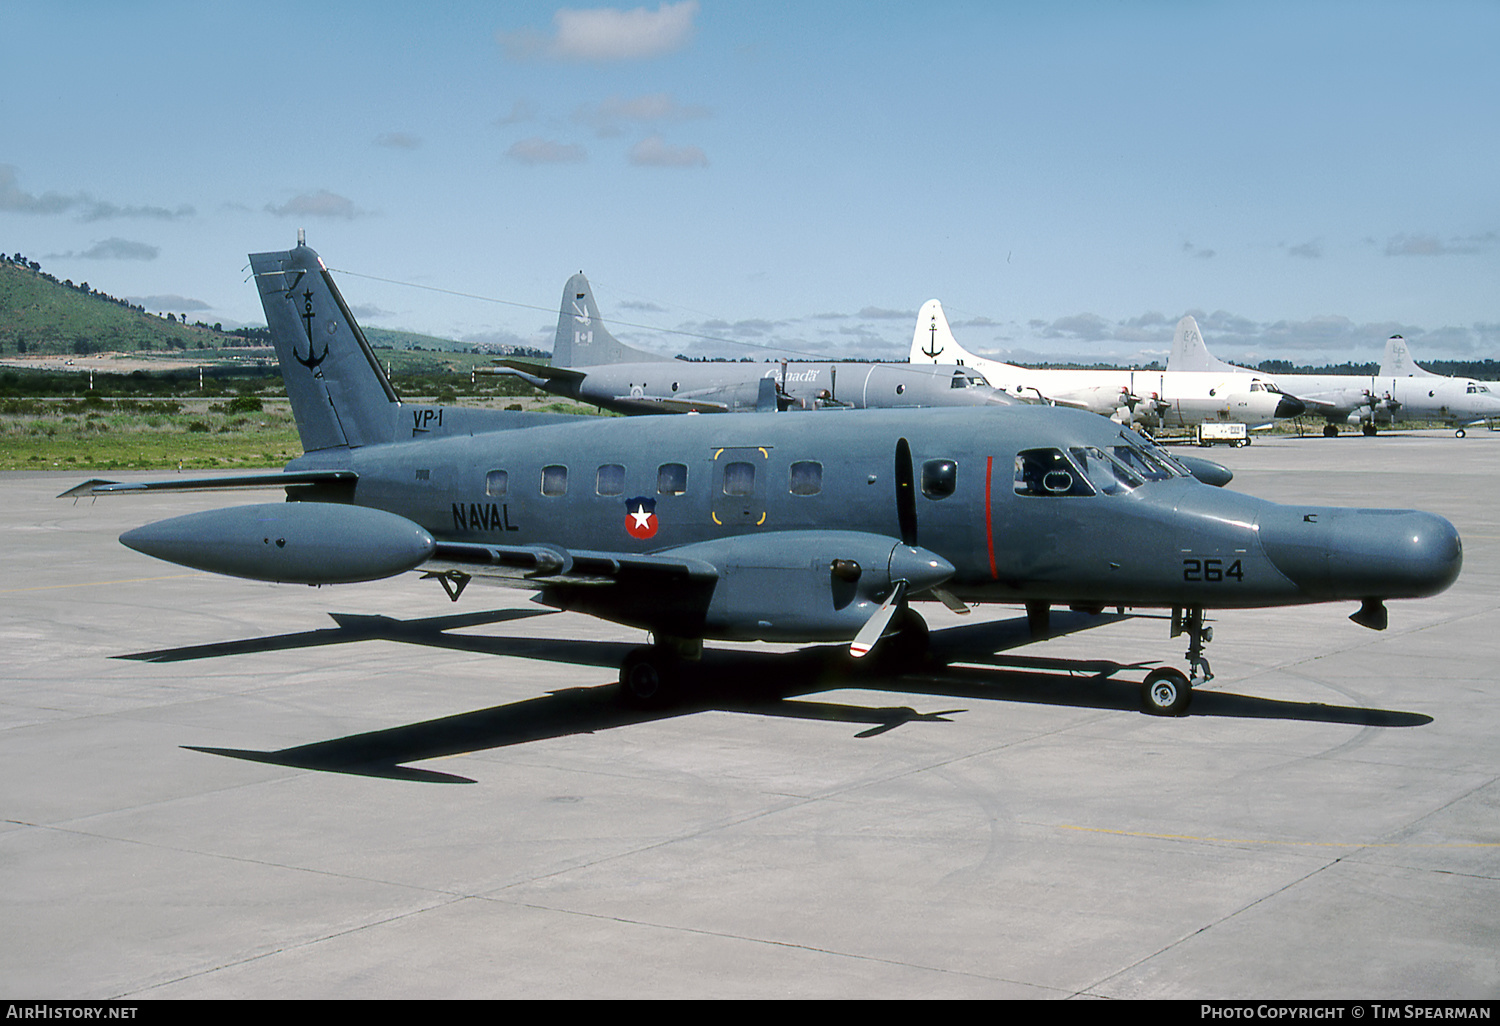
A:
x: 1091, y: 470
x: 1108, y: 475
x: 963, y: 377
x: 1143, y: 463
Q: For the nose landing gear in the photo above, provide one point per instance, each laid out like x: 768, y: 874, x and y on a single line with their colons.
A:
x: 1168, y: 691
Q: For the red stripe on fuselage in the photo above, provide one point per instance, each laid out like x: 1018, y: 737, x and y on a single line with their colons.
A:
x: 989, y: 524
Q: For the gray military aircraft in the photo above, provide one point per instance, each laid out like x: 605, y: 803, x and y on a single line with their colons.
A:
x: 798, y: 529
x: 591, y: 365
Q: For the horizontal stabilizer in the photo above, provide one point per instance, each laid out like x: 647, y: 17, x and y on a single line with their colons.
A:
x: 545, y: 371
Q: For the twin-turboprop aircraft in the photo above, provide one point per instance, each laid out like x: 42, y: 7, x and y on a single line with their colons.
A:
x: 591, y: 365
x: 782, y: 528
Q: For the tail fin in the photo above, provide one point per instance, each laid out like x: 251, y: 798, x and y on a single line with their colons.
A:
x: 582, y: 340
x: 933, y: 341
x: 1190, y: 353
x: 340, y: 397
x: 1398, y: 362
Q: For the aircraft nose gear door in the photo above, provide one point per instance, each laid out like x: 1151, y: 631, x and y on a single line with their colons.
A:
x: 739, y: 488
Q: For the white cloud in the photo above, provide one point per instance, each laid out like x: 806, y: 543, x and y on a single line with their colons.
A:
x: 120, y: 249
x: 604, y: 34
x: 545, y: 151
x: 16, y: 200
x: 607, y: 118
x: 316, y: 204
x: 654, y: 152
x: 175, y: 303
x: 521, y: 110
x: 1431, y: 245
x: 398, y: 140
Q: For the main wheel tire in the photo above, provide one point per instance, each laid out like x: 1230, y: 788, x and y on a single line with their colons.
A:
x: 906, y: 649
x: 1330, y: 431
x: 1166, y: 692
x: 649, y: 677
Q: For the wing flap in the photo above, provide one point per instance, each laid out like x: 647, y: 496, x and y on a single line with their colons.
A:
x: 536, y: 566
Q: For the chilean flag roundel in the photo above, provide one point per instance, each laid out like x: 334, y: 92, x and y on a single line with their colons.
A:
x: 640, y: 517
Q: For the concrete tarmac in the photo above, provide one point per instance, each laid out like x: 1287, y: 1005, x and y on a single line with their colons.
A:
x: 215, y: 788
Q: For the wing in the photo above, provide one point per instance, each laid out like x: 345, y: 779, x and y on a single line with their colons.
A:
x: 671, y: 404
x: 288, y: 479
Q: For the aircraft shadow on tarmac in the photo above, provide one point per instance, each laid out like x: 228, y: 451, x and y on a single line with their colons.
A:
x: 967, y: 663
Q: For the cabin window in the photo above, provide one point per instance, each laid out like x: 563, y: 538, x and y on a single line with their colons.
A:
x: 671, y: 479
x: 1047, y: 472
x: 495, y: 483
x: 554, y: 481
x: 739, y: 478
x: 807, y: 478
x: 939, y: 478
x: 611, y: 480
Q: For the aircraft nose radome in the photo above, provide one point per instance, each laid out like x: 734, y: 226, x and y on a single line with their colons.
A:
x: 1332, y: 553
x: 1290, y: 407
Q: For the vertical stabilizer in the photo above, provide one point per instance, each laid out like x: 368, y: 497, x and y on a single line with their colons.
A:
x: 340, y: 397
x: 1190, y: 352
x: 1398, y: 362
x: 933, y: 341
x: 582, y: 340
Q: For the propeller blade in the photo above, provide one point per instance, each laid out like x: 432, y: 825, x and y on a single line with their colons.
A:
x: 952, y: 601
x: 906, y: 494
x: 875, y: 626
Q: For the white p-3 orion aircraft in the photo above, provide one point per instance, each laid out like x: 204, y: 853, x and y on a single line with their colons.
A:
x: 766, y: 526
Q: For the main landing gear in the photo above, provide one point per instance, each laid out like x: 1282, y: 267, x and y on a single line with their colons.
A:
x: 1168, y: 691
x: 651, y: 675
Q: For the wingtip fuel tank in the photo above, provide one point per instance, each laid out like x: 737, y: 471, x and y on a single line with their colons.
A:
x: 290, y: 542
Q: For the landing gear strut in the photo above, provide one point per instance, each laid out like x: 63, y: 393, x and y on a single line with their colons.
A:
x: 651, y: 675
x: 1167, y: 691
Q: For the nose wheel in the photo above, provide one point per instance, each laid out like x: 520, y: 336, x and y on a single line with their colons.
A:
x: 1168, y: 691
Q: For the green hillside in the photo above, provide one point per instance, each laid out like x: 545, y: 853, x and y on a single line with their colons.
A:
x: 41, y: 315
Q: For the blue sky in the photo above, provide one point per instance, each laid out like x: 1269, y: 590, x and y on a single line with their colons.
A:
x: 1068, y: 178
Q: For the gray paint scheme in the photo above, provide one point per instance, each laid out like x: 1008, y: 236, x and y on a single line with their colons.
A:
x: 591, y: 365
x: 695, y: 527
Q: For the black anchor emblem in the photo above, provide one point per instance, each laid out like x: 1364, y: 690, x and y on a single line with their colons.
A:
x: 312, y: 362
x: 933, y: 349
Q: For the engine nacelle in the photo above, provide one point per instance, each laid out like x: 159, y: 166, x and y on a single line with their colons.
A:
x: 294, y: 542
x: 807, y: 585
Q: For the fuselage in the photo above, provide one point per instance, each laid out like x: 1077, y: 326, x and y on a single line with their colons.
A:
x: 1027, y: 503
x: 671, y: 385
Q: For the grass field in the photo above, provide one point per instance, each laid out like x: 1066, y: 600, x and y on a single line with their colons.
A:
x: 162, y: 434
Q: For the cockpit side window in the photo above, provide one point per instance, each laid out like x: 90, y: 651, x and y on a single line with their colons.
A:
x: 1048, y: 472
